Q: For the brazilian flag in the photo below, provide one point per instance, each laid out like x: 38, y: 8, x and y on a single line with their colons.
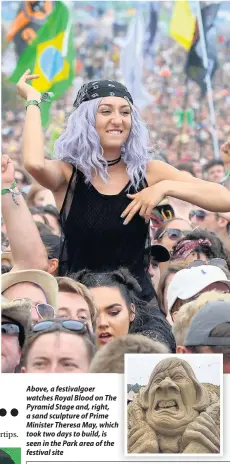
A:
x: 51, y: 55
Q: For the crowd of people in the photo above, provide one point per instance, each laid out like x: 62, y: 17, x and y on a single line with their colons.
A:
x: 108, y: 247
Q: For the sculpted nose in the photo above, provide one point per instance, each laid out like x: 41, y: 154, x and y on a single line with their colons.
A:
x: 168, y: 383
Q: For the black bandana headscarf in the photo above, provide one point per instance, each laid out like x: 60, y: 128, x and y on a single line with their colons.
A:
x: 100, y: 89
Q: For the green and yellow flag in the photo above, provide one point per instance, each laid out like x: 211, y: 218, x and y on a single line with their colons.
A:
x: 51, y: 54
x: 182, y: 25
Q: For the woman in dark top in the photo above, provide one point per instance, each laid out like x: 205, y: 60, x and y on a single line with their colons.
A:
x: 104, y: 181
x: 120, y: 310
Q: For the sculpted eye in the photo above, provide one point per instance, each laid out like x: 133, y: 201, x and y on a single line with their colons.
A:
x: 157, y: 381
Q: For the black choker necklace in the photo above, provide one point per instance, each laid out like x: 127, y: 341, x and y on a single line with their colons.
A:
x: 112, y: 162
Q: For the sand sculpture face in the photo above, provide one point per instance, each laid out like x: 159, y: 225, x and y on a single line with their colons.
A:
x: 172, y: 398
x: 174, y: 413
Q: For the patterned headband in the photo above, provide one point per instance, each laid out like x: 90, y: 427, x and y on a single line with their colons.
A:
x: 185, y: 247
x: 100, y: 89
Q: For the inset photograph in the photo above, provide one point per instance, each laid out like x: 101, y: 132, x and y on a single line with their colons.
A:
x: 10, y: 455
x: 173, y: 404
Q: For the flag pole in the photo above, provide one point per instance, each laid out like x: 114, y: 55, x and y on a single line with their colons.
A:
x: 208, y: 81
x: 184, y: 124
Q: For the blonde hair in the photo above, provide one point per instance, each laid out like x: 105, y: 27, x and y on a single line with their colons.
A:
x: 66, y: 284
x: 188, y: 310
x: 110, y: 358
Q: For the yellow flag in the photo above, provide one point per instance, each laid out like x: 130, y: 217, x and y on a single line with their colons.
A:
x: 182, y: 25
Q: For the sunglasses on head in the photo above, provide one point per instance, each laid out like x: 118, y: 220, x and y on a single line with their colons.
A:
x: 10, y: 329
x: 214, y: 262
x: 44, y: 310
x: 74, y: 326
x: 200, y: 214
x: 173, y: 234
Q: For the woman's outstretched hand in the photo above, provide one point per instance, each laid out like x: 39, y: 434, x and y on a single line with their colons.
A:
x: 144, y: 201
x: 25, y: 90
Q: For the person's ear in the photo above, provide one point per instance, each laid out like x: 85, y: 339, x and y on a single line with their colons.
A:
x: 222, y: 222
x: 132, y: 313
x: 52, y: 266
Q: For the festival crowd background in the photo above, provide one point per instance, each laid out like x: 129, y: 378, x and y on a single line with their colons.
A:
x: 99, y: 35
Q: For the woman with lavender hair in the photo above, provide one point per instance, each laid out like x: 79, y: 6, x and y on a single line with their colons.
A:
x: 104, y: 181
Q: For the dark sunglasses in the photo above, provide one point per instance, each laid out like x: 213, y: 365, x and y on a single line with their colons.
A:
x: 199, y: 214
x: 43, y: 310
x: 174, y: 234
x: 10, y: 329
x: 73, y: 326
x: 214, y: 262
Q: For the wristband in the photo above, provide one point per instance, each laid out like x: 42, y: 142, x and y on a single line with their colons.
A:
x: 11, y: 190
x: 8, y: 190
x: 33, y: 102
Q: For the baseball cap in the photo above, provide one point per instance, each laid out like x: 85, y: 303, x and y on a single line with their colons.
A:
x: 41, y: 278
x: 202, y: 324
x: 160, y: 253
x: 188, y: 282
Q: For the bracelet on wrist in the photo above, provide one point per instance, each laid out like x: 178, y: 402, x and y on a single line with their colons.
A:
x: 32, y: 102
x: 11, y: 190
x: 7, y: 190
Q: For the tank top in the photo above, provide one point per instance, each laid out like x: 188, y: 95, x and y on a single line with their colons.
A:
x: 94, y: 236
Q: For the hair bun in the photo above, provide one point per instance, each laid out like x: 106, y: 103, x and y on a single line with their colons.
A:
x: 125, y: 277
x: 79, y: 276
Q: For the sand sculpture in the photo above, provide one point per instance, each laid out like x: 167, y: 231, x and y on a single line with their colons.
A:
x: 174, y: 413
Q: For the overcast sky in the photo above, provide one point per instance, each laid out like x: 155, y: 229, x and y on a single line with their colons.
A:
x: 207, y: 367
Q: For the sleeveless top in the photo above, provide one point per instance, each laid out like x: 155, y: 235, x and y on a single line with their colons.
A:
x: 94, y: 236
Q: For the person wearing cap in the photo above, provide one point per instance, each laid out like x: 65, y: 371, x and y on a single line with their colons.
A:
x: 104, y: 180
x: 188, y: 311
x: 159, y: 254
x: 28, y: 251
x: 15, y: 322
x: 209, y: 331
x: 188, y: 284
x: 39, y: 287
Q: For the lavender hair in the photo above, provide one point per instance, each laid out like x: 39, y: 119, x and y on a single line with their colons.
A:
x: 80, y: 145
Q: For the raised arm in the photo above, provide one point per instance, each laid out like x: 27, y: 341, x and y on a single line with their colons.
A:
x: 48, y: 173
x: 208, y: 195
x: 165, y: 180
x: 26, y: 245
